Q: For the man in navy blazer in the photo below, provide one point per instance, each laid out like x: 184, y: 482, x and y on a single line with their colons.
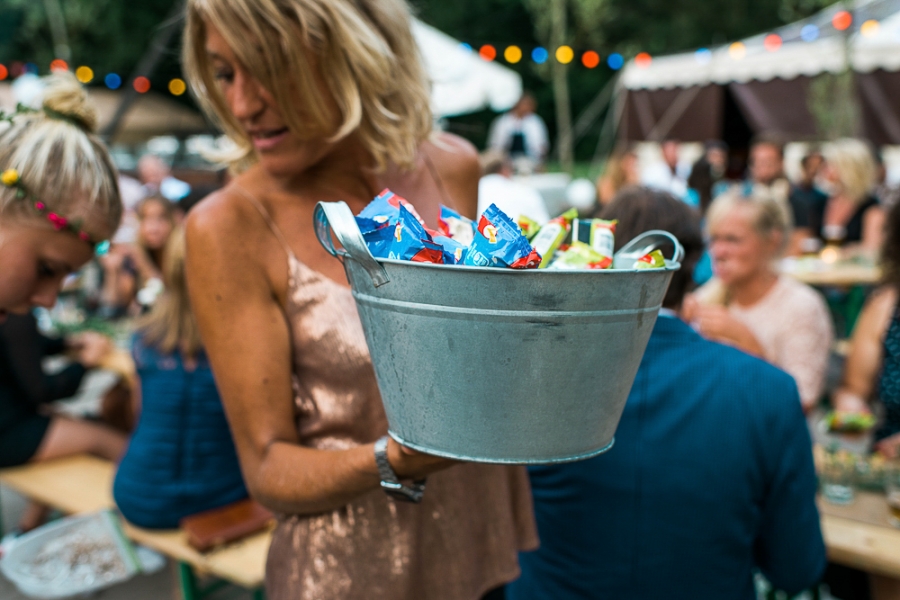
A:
x: 711, y: 476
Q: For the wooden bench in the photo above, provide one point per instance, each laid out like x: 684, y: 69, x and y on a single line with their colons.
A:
x: 83, y: 484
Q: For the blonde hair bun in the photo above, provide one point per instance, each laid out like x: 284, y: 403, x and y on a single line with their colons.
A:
x: 68, y: 98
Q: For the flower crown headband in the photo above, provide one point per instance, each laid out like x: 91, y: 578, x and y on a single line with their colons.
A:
x: 10, y: 178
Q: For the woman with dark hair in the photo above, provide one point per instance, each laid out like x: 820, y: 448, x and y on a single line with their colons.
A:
x: 639, y: 209
x: 872, y: 370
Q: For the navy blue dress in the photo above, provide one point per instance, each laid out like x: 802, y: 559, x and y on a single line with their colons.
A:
x: 181, y: 459
x: 889, y: 381
x: 711, y: 476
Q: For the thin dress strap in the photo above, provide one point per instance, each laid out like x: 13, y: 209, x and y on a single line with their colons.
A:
x: 268, y: 219
x: 445, y: 197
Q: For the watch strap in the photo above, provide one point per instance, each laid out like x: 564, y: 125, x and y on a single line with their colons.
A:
x: 390, y: 483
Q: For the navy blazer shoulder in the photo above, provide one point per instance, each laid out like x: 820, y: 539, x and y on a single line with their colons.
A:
x: 710, y: 477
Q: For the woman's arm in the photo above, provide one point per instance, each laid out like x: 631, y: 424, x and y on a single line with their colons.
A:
x: 873, y: 229
x: 247, y: 340
x: 23, y: 348
x: 865, y: 355
x: 716, y: 323
x: 119, y: 285
x: 805, y: 349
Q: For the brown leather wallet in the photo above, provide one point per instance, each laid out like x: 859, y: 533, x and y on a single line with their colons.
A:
x: 229, y: 523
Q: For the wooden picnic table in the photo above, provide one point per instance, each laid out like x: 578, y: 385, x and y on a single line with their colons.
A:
x: 860, y: 534
x: 83, y: 484
x: 840, y: 274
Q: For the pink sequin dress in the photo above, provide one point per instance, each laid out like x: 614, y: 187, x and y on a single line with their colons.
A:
x: 459, y: 543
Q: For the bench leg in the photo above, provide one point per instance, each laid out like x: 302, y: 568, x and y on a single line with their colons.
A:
x: 188, y: 582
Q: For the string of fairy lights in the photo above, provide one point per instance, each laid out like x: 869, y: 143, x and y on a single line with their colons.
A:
x: 512, y: 54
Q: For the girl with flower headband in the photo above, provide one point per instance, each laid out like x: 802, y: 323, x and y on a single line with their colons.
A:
x: 59, y: 202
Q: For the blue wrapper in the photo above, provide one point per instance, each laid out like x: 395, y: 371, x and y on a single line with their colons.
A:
x: 404, y: 240
x: 384, y: 211
x: 454, y: 252
x: 499, y: 243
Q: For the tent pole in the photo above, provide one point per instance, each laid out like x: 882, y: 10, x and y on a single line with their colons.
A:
x: 611, y: 123
x: 590, y: 114
x: 675, y: 111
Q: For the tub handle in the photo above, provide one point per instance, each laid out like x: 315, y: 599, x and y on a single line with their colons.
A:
x: 338, y: 218
x: 645, y: 243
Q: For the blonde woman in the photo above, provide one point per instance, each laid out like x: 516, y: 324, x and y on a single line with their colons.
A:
x: 58, y: 202
x: 130, y: 268
x: 328, y: 100
x: 750, y: 305
x: 851, y: 215
x: 621, y: 171
x: 181, y: 458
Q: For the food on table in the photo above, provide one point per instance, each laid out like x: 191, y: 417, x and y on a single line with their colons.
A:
x: 848, y: 422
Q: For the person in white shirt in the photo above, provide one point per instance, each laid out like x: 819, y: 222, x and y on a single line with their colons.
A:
x: 521, y: 133
x: 512, y: 197
x: 667, y: 175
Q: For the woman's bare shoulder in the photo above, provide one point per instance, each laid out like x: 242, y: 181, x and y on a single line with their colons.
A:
x: 226, y: 217
x: 455, y: 156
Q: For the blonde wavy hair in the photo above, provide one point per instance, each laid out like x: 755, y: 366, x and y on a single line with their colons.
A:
x: 60, y: 160
x: 171, y: 325
x: 854, y: 165
x: 363, y: 50
x: 770, y: 220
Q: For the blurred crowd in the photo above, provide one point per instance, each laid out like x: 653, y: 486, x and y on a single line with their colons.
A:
x: 243, y: 369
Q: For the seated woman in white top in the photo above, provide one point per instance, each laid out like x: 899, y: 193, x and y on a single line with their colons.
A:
x: 749, y: 305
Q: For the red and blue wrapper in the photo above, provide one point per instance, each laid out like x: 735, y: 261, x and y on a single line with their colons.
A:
x: 499, y: 242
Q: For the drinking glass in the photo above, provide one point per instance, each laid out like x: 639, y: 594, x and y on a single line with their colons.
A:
x: 836, y: 476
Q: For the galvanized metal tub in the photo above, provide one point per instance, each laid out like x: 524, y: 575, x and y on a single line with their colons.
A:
x: 499, y: 365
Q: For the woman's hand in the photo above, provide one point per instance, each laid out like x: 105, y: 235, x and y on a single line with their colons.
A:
x: 845, y: 401
x: 716, y: 323
x: 412, y: 464
x: 91, y: 348
x: 889, y: 446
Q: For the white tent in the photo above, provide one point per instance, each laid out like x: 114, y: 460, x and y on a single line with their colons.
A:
x: 735, y: 90
x: 462, y: 82
x: 877, y: 47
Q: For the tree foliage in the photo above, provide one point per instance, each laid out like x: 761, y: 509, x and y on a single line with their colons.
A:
x: 625, y: 26
x: 107, y: 35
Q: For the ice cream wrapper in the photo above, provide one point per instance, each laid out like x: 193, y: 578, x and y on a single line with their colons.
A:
x: 529, y: 227
x: 653, y: 260
x: 456, y: 226
x: 499, y: 243
x: 580, y: 256
x: 406, y: 239
x: 603, y: 236
x: 551, y: 235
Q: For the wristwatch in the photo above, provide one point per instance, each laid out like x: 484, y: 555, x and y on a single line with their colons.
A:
x: 390, y: 483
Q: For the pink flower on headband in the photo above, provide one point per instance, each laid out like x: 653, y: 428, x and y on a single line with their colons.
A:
x: 84, y: 237
x: 40, y: 206
x: 58, y: 221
